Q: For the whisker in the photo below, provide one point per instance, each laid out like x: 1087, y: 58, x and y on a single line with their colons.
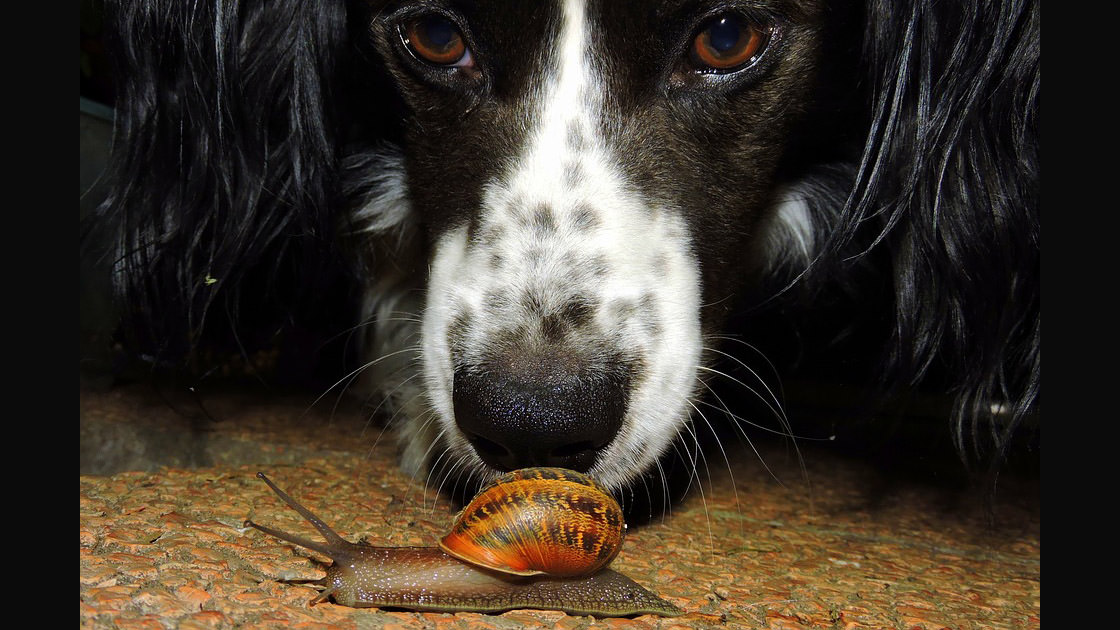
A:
x: 772, y: 396
x: 726, y: 458
x: 349, y: 377
x: 699, y: 458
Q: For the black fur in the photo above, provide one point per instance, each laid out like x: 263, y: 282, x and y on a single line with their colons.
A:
x: 243, y: 132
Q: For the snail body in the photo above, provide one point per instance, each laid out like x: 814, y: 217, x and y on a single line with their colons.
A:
x: 429, y: 579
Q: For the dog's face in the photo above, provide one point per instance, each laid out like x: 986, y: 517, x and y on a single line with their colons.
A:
x: 596, y: 183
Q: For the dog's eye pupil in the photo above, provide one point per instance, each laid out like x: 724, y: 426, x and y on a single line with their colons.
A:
x: 726, y: 43
x: 724, y: 35
x: 440, y: 33
x: 435, y: 39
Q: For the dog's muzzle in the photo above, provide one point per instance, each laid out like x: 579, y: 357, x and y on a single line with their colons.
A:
x: 541, y: 410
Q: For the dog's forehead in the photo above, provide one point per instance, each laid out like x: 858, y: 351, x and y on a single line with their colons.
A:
x: 520, y: 42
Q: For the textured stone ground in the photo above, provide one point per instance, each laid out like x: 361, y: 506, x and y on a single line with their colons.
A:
x: 163, y: 546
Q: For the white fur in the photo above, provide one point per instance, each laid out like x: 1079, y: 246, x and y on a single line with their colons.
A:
x: 792, y: 232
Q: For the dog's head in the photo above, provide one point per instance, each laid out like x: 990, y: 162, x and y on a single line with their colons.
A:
x: 596, y: 182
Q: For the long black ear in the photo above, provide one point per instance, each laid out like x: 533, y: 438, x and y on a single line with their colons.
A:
x: 950, y: 186
x: 224, y: 159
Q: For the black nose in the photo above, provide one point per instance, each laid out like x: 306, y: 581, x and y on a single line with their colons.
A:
x: 540, y: 411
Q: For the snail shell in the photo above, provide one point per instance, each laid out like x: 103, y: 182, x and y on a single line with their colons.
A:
x: 539, y: 520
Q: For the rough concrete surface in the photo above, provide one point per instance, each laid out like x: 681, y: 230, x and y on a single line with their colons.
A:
x: 163, y: 546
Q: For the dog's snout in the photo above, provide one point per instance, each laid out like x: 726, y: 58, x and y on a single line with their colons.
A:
x: 543, y: 411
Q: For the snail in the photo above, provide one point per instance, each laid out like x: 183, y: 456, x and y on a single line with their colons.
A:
x: 555, y: 531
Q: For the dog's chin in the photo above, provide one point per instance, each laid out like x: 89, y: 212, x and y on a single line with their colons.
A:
x: 459, y: 468
x: 618, y: 467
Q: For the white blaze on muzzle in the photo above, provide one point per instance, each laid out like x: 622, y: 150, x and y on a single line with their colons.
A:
x: 563, y: 226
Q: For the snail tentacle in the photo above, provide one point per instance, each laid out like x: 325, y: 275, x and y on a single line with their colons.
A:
x: 328, y: 551
x: 333, y: 539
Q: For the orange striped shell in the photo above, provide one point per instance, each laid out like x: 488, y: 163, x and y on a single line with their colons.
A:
x: 539, y: 520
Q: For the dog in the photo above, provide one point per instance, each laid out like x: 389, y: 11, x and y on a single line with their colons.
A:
x: 540, y: 220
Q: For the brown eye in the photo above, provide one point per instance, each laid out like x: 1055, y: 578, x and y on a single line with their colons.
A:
x: 436, y: 40
x: 727, y: 43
